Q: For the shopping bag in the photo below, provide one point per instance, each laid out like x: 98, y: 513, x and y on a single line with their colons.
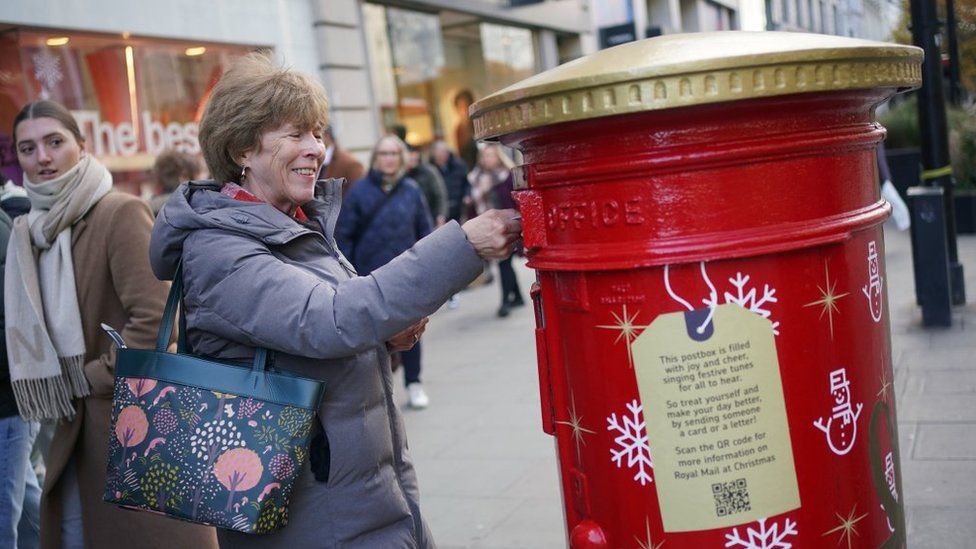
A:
x: 206, y: 441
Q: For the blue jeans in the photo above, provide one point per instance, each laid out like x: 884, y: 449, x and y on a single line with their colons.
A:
x: 411, y: 364
x: 20, y: 494
x: 72, y: 529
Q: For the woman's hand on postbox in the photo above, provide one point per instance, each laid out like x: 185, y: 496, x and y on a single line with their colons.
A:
x: 494, y: 233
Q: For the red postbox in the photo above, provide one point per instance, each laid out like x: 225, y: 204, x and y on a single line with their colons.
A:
x: 703, y: 213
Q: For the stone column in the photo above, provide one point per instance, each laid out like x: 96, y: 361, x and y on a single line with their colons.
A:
x: 345, y: 72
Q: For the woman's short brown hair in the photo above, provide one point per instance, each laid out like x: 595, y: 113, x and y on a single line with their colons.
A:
x: 254, y: 96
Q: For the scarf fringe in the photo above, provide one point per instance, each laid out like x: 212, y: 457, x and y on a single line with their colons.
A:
x: 43, y: 398
x: 50, y: 397
x: 73, y: 370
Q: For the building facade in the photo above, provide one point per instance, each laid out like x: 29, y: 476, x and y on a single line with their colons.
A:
x: 137, y: 74
x: 870, y: 19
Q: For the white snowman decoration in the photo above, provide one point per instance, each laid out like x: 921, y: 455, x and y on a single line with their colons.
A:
x: 841, y: 427
x: 872, y: 290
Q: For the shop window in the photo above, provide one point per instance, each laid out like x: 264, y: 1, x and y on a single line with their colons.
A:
x: 425, y: 67
x: 133, y: 97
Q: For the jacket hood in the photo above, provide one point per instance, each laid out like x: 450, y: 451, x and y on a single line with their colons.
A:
x: 199, y: 205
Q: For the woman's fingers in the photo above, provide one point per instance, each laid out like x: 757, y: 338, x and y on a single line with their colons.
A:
x: 494, y: 233
x: 406, y: 339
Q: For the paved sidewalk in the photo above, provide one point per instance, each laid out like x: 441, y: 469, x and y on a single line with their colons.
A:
x: 488, y: 474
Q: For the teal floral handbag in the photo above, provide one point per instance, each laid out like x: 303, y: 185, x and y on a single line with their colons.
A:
x: 205, y: 441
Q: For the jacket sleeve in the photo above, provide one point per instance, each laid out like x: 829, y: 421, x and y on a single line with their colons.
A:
x: 240, y: 291
x: 142, y: 296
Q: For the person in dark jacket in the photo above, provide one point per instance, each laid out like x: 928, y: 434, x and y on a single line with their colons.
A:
x: 455, y: 174
x: 261, y: 269
x: 13, y: 198
x: 430, y: 182
x: 20, y: 491
x: 383, y: 215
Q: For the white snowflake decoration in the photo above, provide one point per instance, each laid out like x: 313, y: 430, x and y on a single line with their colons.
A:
x: 47, y: 69
x: 632, y: 442
x: 763, y: 538
x: 750, y: 300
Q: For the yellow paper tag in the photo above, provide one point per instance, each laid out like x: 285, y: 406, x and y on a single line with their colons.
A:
x: 716, y: 420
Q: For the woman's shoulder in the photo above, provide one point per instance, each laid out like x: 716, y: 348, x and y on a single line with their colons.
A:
x: 119, y: 205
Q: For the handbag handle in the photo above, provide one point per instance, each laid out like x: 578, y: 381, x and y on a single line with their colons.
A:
x: 173, y: 302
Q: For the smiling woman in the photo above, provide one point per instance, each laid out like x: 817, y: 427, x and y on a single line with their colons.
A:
x: 261, y: 268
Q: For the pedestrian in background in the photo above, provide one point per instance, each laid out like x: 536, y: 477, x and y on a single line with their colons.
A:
x: 13, y: 198
x: 339, y: 163
x: 20, y: 493
x: 384, y: 215
x: 430, y: 182
x: 77, y: 259
x: 491, y: 187
x: 172, y: 168
x: 464, y: 128
x: 455, y: 174
x: 260, y: 268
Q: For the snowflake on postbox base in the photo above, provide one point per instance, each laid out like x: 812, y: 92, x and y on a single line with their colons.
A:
x: 631, y: 442
x: 763, y: 537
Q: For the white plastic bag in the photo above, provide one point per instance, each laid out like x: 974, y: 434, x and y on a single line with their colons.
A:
x: 899, y: 210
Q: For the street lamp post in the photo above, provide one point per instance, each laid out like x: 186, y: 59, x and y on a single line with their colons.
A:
x: 952, y: 44
x: 936, y: 167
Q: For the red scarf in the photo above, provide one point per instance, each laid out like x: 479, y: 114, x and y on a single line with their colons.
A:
x: 235, y: 191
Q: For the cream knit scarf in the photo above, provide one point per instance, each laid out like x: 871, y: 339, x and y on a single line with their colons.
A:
x: 45, y: 342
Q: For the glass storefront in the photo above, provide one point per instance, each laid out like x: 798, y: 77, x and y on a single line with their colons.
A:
x: 133, y: 97
x: 426, y: 65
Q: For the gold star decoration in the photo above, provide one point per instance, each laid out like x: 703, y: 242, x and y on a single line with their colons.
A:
x: 846, y: 527
x: 828, y: 300
x: 647, y: 543
x: 628, y: 331
x: 576, y: 424
x: 885, y: 386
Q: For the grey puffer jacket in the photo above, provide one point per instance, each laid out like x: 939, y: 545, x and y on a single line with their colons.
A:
x: 255, y: 277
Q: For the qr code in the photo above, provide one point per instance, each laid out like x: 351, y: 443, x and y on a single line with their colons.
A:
x: 731, y: 497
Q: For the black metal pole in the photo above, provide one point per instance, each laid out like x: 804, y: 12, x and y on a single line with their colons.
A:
x: 936, y: 167
x: 955, y: 93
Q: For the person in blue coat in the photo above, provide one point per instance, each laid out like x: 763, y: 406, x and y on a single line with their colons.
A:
x: 384, y: 215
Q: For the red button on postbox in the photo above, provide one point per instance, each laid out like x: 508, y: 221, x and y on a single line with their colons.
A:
x: 704, y: 215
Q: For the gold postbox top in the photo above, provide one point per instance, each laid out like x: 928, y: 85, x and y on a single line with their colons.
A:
x: 679, y: 70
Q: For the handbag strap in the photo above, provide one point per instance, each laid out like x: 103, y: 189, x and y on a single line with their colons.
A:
x: 173, y: 303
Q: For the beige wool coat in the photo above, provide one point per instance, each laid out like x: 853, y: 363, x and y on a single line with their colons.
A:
x: 110, y: 250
